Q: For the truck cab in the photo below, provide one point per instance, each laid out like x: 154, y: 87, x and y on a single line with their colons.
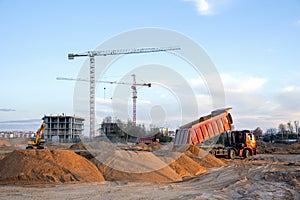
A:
x: 245, y: 143
x: 236, y: 143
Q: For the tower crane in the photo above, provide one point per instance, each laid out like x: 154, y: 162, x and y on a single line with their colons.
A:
x: 134, y: 86
x: 92, y: 54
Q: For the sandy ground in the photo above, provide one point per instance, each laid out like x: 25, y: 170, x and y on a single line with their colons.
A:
x: 264, y: 176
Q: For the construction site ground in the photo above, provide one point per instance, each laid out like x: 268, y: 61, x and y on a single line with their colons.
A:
x: 60, y: 173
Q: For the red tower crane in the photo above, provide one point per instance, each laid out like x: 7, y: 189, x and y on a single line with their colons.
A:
x: 134, y: 86
x: 134, y: 96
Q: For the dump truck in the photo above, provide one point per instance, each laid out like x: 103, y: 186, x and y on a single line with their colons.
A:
x: 38, y: 141
x: 235, y: 143
x: 218, y: 125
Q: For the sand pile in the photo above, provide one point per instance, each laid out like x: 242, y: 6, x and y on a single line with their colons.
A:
x: 163, y: 175
x: 78, y: 146
x: 134, y: 166
x: 47, y: 167
x: 57, y: 145
x: 109, y: 163
x: 81, y: 150
x: 127, y: 163
x: 205, y: 159
x: 155, y: 167
x: 138, y: 147
x: 190, y: 162
x: 296, y: 146
x: 4, y: 143
x: 154, y: 146
x: 183, y: 165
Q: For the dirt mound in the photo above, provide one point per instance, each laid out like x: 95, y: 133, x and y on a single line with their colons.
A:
x: 78, y: 146
x: 57, y: 146
x: 203, y: 158
x: 296, y: 146
x: 47, y: 167
x: 163, y: 175
x: 154, y: 146
x: 4, y: 143
x: 162, y: 166
x: 184, y: 165
x: 278, y: 148
x: 134, y: 166
x: 191, y: 162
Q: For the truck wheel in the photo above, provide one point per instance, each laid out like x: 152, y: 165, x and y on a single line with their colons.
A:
x: 246, y: 154
x: 231, y: 154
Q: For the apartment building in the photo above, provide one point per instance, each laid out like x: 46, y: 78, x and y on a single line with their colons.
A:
x: 63, y: 128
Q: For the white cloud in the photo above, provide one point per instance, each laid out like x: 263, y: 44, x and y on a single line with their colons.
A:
x: 210, y: 7
x: 204, y: 7
x: 197, y: 84
x: 242, y: 83
x: 288, y: 89
x: 289, y: 99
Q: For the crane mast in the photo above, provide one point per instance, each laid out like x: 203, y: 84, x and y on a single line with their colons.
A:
x: 134, y: 85
x: 134, y: 96
x: 92, y: 54
x: 92, y: 96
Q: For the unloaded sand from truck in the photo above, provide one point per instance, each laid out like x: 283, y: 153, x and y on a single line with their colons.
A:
x: 160, y: 166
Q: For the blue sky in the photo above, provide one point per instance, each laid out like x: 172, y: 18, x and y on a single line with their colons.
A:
x: 253, y: 44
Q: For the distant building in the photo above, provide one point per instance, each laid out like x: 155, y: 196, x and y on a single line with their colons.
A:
x: 110, y: 128
x: 63, y: 128
x: 16, y: 134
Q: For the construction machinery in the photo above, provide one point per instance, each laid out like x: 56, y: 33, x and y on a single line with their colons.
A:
x: 235, y: 143
x: 38, y: 141
x: 134, y: 86
x: 217, y: 126
x: 114, y: 52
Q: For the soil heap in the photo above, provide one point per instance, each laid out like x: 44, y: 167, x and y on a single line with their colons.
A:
x: 164, y: 166
x: 4, y: 143
x: 78, y: 146
x: 23, y: 167
x: 278, y: 148
x: 134, y: 166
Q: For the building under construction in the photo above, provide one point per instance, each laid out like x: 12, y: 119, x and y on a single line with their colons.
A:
x: 63, y: 128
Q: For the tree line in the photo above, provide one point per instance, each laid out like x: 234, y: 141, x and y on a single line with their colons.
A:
x: 289, y: 130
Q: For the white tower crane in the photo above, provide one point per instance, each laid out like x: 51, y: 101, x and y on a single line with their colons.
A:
x: 92, y: 54
x: 133, y: 87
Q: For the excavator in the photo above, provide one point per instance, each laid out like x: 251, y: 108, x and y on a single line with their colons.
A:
x: 38, y: 141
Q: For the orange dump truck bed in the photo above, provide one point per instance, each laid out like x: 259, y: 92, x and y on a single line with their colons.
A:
x: 204, y: 128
